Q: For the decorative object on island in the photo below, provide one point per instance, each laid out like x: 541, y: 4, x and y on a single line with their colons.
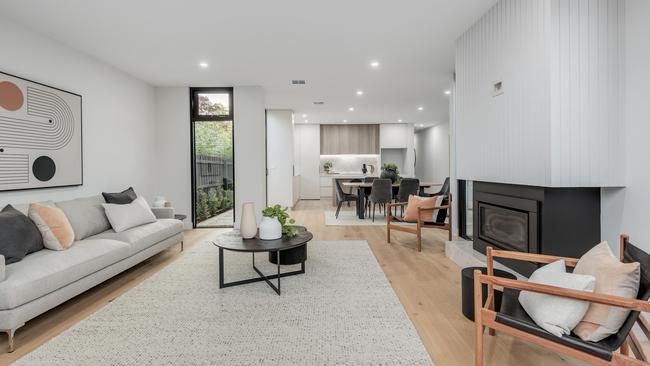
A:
x: 390, y: 171
x: 248, y: 222
x: 364, y: 170
x: 40, y: 135
x: 159, y: 201
x: 327, y: 166
x: 282, y: 217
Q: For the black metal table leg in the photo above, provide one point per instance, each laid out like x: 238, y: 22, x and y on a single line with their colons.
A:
x: 262, y: 276
x: 221, y: 279
x: 361, y: 207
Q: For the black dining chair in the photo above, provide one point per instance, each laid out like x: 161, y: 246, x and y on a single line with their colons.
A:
x: 381, y: 193
x: 366, y: 191
x: 342, y: 196
x: 355, y: 180
x: 444, y: 190
x: 407, y: 187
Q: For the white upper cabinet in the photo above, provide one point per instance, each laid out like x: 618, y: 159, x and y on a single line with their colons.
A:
x: 395, y: 135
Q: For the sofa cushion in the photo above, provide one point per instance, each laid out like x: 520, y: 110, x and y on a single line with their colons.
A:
x: 120, y: 198
x: 45, y: 271
x: 86, y: 215
x: 144, y: 236
x: 18, y: 235
x: 53, y: 224
x: 129, y: 215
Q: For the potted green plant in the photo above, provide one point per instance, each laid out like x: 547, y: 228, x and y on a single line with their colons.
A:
x: 390, y: 171
x: 276, y: 222
x: 328, y: 166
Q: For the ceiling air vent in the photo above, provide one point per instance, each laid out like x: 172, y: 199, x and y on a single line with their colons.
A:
x: 297, y: 82
x: 319, y: 103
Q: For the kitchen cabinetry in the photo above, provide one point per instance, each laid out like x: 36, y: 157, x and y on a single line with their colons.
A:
x: 395, y: 135
x: 349, y: 139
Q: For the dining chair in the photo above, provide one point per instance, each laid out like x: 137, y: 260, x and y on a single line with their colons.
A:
x: 366, y: 191
x: 380, y: 194
x: 444, y: 190
x: 407, y: 187
x: 342, y: 196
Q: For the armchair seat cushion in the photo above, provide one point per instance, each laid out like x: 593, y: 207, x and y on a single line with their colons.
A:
x: 513, y: 315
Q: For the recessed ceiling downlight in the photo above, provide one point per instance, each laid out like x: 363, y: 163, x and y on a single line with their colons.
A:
x: 359, y: 92
x: 203, y: 65
x: 447, y: 92
x: 351, y: 109
x: 420, y: 108
x: 374, y: 64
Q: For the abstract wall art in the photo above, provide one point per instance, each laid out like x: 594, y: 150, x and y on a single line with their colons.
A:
x: 40, y: 135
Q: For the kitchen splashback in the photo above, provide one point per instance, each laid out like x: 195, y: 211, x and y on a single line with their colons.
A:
x: 349, y: 163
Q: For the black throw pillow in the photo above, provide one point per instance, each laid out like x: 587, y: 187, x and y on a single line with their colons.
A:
x: 19, y: 236
x: 121, y: 198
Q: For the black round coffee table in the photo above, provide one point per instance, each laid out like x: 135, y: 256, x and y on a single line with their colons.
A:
x: 234, y: 242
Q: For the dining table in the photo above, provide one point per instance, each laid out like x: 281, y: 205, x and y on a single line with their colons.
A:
x: 362, y: 187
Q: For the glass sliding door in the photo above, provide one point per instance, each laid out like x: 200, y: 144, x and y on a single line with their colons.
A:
x: 213, y: 169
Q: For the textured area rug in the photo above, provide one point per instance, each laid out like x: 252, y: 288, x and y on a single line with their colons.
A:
x: 342, y: 311
x: 349, y: 218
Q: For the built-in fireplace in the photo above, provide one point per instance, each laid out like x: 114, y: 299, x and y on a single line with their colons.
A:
x: 542, y: 220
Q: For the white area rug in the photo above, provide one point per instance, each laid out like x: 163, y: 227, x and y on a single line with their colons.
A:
x: 342, y: 311
x: 349, y: 218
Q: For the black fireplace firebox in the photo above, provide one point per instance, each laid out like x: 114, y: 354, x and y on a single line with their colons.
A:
x: 541, y: 220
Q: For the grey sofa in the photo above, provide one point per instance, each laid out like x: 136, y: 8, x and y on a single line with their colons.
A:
x: 47, y: 278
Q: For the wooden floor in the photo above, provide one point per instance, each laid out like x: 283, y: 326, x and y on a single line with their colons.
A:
x: 427, y: 284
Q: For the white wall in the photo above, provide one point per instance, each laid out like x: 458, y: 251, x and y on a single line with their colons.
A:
x: 172, y: 146
x: 250, y: 149
x: 626, y: 210
x: 432, y: 147
x: 557, y: 122
x: 118, y: 114
x: 279, y: 155
x: 173, y: 160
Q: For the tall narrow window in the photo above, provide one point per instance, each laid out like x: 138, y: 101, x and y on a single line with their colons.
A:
x: 213, y: 169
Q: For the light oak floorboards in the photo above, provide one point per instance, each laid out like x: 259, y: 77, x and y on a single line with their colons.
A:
x: 427, y: 284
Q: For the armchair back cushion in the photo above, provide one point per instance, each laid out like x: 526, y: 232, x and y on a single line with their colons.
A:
x: 556, y: 315
x: 612, y: 278
x: 415, y: 202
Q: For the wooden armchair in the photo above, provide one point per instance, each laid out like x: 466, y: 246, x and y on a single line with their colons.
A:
x: 513, y: 320
x: 443, y: 222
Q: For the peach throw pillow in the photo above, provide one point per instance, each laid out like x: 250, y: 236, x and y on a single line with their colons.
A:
x: 53, y: 224
x: 411, y: 213
x: 612, y: 278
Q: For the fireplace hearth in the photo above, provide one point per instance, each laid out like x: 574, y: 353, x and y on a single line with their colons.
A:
x: 541, y: 220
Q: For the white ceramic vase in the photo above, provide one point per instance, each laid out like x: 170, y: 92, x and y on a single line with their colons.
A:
x: 248, y: 223
x: 270, y: 228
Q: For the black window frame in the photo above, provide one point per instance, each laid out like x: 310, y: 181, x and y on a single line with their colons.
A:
x: 196, y: 117
x: 462, y: 210
x: 194, y: 103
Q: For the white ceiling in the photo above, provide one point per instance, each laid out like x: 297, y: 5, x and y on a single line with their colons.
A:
x: 269, y: 42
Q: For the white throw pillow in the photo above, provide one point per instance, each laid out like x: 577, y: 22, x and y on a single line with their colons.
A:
x: 557, y: 315
x: 124, y: 217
